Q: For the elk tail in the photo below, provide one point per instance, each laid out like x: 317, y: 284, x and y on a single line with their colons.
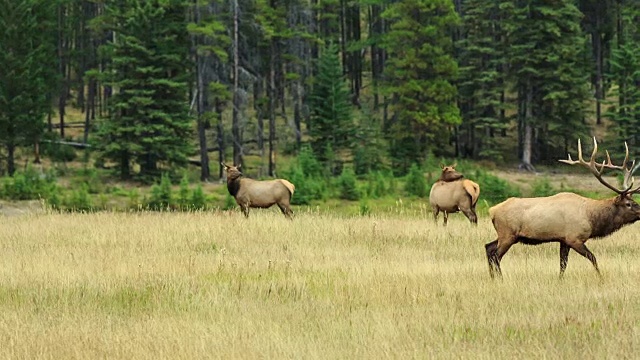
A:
x: 472, y: 189
x: 289, y: 185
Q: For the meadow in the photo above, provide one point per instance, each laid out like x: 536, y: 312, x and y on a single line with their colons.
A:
x: 162, y: 285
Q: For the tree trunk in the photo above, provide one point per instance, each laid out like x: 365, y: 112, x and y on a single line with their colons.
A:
x: 62, y: 95
x: 272, y: 116
x: 599, y: 57
x: 90, y: 108
x: 220, y: 134
x: 236, y: 131
x: 11, y: 161
x: 527, y: 140
x: 202, y: 95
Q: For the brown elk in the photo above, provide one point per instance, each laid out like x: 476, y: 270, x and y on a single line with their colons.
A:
x: 451, y: 193
x: 567, y: 218
x: 250, y: 193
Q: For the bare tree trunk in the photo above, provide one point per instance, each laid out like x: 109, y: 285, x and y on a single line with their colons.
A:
x: 272, y: 115
x: 201, y: 96
x: 62, y: 68
x: 11, y: 161
x: 236, y: 131
x: 527, y: 141
x: 221, y: 149
x: 599, y: 57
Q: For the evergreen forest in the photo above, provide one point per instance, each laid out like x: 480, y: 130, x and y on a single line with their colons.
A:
x: 359, y: 91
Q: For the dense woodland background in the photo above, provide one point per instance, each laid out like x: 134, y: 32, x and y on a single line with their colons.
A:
x: 366, y: 86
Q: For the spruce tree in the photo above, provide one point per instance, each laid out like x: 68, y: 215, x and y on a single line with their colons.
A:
x: 149, y: 122
x: 419, y: 74
x: 545, y: 52
x: 625, y: 72
x: 27, y: 74
x: 330, y: 124
x: 482, y: 79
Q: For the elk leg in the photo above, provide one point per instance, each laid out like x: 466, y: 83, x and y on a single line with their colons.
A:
x: 492, y: 259
x: 436, y: 211
x: 446, y: 217
x: 564, y: 257
x: 471, y: 215
x: 286, y: 211
x: 581, y: 249
x: 245, y: 210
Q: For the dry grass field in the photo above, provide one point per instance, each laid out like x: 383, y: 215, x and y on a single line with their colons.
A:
x: 216, y: 285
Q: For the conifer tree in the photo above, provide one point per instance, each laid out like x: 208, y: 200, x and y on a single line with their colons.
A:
x: 482, y: 79
x: 331, y: 124
x: 545, y: 51
x: 149, y: 122
x: 419, y: 75
x: 625, y: 72
x: 27, y: 74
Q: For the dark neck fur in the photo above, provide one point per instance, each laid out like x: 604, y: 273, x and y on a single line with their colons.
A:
x: 606, y: 219
x: 233, y: 184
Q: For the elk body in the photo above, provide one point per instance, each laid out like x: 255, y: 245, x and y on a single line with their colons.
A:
x: 451, y: 193
x: 567, y: 218
x: 250, y: 193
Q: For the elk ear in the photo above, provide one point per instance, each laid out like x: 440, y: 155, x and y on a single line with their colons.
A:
x: 442, y: 166
x: 224, y: 165
x: 454, y: 165
x: 239, y: 166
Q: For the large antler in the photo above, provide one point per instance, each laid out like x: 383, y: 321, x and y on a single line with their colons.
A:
x: 593, y: 167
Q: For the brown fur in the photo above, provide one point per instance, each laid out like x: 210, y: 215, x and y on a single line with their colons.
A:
x: 449, y: 173
x: 250, y: 193
x: 453, y: 196
x: 567, y: 218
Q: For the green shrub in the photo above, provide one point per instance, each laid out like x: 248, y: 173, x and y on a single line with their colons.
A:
x: 229, y: 202
x: 347, y: 185
x: 493, y: 189
x: 183, y: 194
x: 365, y: 209
x: 308, y: 188
x: 161, y: 194
x: 27, y: 185
x: 376, y: 186
x: 53, y: 200
x: 134, y: 199
x: 57, y: 152
x: 308, y: 164
x: 198, y: 198
x: 80, y: 200
x: 542, y: 187
x: 416, y: 184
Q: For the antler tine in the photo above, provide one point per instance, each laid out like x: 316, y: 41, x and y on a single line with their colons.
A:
x: 634, y: 167
x: 593, y: 166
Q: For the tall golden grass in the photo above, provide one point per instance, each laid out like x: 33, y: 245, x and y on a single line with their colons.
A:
x: 217, y: 285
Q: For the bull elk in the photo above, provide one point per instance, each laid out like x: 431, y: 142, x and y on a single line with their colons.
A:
x: 451, y: 193
x: 567, y: 218
x: 250, y: 193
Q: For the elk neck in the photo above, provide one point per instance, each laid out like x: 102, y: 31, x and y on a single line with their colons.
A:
x: 233, y: 183
x: 606, y: 217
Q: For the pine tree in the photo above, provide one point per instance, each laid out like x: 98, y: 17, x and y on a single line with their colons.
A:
x: 331, y: 124
x: 482, y: 79
x: 546, y: 66
x: 419, y: 74
x: 625, y: 72
x: 28, y: 72
x: 149, y: 122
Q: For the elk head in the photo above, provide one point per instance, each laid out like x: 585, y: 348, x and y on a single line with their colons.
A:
x: 449, y: 173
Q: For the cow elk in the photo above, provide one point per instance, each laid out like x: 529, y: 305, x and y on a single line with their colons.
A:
x: 250, y: 193
x: 452, y: 193
x: 567, y: 218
